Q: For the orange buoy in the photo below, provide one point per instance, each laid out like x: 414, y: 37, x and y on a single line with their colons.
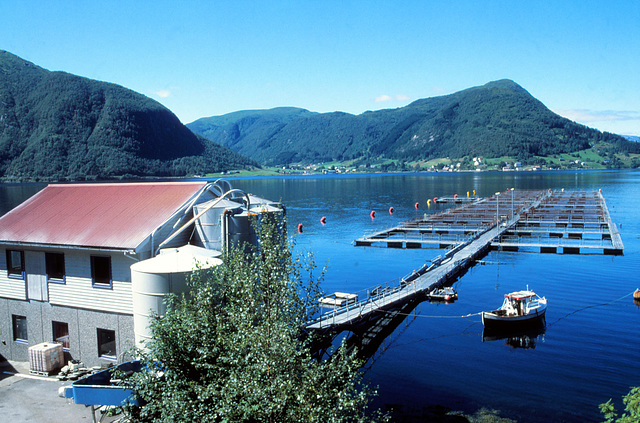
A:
x: 636, y: 295
x: 323, y: 220
x: 372, y: 214
x: 299, y: 228
x: 417, y: 206
x: 391, y: 210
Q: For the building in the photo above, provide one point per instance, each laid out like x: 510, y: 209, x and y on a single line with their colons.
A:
x: 66, y: 255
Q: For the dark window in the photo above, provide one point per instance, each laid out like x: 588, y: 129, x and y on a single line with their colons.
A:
x: 20, y: 328
x: 101, y: 271
x: 61, y: 333
x: 15, y: 263
x: 55, y: 266
x: 106, y: 343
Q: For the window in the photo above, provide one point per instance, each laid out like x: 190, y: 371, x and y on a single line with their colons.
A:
x: 101, y: 271
x: 107, y: 344
x: 61, y: 333
x: 55, y: 267
x: 15, y: 263
x: 20, y: 328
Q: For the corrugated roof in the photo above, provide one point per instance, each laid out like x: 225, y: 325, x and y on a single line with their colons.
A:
x: 116, y: 215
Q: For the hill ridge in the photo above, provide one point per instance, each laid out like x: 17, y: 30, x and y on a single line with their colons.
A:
x: 56, y: 125
x: 499, y: 118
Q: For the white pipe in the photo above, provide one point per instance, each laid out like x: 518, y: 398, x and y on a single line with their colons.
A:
x: 193, y: 219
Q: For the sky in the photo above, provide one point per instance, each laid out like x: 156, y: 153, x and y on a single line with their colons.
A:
x: 207, y: 58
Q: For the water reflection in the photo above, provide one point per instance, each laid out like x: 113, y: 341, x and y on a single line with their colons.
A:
x: 525, y: 339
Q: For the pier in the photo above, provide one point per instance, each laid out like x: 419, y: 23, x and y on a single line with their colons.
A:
x: 545, y: 221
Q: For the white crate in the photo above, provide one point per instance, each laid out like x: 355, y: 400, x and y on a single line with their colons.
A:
x: 45, y: 357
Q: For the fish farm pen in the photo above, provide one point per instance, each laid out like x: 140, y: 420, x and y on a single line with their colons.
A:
x: 571, y: 222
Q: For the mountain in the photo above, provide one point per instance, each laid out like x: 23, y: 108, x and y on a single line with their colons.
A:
x: 242, y: 131
x: 497, y: 119
x: 633, y: 138
x: 54, y: 125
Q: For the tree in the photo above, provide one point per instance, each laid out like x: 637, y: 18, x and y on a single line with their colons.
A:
x: 632, y: 408
x: 231, y: 349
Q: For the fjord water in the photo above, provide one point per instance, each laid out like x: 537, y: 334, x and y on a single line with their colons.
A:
x: 591, y: 347
x: 590, y: 351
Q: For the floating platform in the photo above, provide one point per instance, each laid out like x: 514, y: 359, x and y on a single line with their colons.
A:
x: 553, y: 222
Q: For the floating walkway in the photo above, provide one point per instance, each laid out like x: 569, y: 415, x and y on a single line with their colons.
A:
x: 551, y: 221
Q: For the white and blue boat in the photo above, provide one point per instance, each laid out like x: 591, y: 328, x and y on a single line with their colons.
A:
x: 519, y: 309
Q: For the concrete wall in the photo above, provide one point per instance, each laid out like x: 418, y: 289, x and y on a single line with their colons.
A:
x: 83, y: 330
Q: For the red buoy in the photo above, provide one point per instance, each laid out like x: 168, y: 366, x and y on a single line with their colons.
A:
x: 455, y: 196
x: 390, y: 210
x: 417, y: 206
x: 299, y: 228
x: 435, y: 199
x: 323, y: 220
x: 372, y: 214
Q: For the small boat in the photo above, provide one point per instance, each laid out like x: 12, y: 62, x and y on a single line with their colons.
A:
x: 519, y: 309
x: 443, y: 294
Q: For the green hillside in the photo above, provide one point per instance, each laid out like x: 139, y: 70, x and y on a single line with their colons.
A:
x: 54, y: 125
x: 494, y: 120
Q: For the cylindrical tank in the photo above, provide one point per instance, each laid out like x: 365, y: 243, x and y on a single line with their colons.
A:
x: 208, y: 225
x: 165, y: 273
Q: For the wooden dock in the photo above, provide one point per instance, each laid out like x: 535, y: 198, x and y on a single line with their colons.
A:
x: 552, y: 221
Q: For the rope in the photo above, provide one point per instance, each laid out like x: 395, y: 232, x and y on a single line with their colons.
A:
x: 591, y: 306
x: 479, y: 313
x: 432, y: 317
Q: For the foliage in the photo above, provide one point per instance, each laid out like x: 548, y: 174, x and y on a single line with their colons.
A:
x: 231, y: 350
x: 632, y: 408
x: 497, y: 119
x: 54, y: 125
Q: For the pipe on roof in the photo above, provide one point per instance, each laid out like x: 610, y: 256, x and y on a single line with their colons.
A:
x: 206, y: 209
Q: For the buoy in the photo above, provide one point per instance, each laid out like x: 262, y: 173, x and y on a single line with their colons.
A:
x: 435, y: 199
x: 391, y: 210
x: 299, y: 228
x: 417, y: 206
x: 455, y: 196
x: 428, y: 202
x: 636, y: 295
x: 323, y: 220
x: 467, y: 194
x: 372, y: 214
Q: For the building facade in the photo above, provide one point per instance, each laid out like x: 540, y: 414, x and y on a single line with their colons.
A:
x: 66, y: 255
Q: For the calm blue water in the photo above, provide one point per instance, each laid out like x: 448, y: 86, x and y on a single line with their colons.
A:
x: 590, y: 351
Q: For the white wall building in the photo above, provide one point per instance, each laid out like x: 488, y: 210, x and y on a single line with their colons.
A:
x: 66, y: 255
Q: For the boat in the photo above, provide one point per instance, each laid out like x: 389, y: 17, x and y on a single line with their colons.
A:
x: 446, y: 293
x: 519, y: 309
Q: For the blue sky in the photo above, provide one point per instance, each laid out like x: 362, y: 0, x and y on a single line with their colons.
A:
x: 205, y: 58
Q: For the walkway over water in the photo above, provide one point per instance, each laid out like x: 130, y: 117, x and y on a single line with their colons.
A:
x: 550, y: 221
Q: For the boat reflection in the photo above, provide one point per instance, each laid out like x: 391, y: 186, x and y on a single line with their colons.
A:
x: 525, y: 339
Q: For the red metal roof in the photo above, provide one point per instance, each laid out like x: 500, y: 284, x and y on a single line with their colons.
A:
x: 114, y: 215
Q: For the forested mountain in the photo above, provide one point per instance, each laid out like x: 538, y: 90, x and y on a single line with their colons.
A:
x: 497, y: 119
x: 54, y: 125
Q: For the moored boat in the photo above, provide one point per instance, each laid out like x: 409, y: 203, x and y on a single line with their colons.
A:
x: 519, y: 309
x: 446, y: 293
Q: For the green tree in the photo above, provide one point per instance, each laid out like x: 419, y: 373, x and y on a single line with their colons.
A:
x: 231, y: 350
x: 632, y: 408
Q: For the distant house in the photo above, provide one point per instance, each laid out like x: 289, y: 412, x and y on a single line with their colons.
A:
x: 66, y: 255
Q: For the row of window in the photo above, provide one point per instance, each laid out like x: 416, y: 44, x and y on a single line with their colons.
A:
x: 54, y: 266
x: 106, y: 337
